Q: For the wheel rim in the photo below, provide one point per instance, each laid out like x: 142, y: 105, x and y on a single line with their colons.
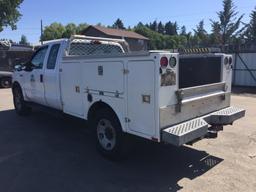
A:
x: 5, y: 83
x: 106, y: 134
x: 17, y: 99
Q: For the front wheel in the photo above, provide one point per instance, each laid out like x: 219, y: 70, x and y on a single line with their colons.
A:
x: 19, y: 103
x: 110, y: 139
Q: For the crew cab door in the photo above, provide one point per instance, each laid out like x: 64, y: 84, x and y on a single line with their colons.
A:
x: 34, y: 86
x: 51, y: 77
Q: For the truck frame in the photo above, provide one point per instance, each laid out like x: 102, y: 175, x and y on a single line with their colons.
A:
x: 157, y: 95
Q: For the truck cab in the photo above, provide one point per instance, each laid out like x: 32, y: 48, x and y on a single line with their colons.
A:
x: 39, y: 77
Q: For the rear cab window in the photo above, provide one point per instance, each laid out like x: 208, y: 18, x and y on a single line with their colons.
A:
x: 51, y: 63
x: 90, y: 48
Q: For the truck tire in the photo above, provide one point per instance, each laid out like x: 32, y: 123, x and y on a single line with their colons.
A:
x: 5, y: 82
x: 110, y: 139
x: 20, y: 105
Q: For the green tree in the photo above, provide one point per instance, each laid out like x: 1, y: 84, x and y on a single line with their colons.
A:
x: 250, y: 33
x: 9, y: 13
x: 160, y: 28
x: 81, y: 27
x: 189, y: 38
x: 160, y: 41
x: 153, y: 26
x: 228, y: 22
x: 118, y: 24
x: 215, y: 37
x: 183, y: 30
x: 171, y: 28
x: 23, y: 40
x: 70, y: 29
x: 53, y: 31
x: 201, y: 33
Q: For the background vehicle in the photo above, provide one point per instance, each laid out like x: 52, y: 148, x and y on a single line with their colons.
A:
x: 154, y: 95
x: 5, y: 79
x: 10, y: 55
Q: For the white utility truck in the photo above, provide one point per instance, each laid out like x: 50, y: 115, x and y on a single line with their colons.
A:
x: 157, y: 95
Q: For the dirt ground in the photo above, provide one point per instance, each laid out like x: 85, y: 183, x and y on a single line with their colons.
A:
x: 46, y: 153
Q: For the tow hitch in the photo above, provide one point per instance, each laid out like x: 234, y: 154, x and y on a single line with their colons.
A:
x: 213, y: 131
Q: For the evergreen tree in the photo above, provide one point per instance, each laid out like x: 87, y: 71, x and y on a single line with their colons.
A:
x: 228, y: 22
x: 201, y: 33
x: 171, y: 28
x: 118, y: 24
x: 153, y: 26
x: 183, y: 31
x: 215, y: 36
x: 23, y: 40
x: 251, y: 29
x: 161, y: 28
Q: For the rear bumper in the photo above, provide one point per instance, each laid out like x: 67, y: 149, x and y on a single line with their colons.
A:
x: 194, y: 129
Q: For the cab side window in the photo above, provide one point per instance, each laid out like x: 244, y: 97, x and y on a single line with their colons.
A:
x: 53, y: 56
x: 38, y: 59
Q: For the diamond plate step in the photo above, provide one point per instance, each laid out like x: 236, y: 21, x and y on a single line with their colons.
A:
x: 226, y: 116
x: 185, y: 132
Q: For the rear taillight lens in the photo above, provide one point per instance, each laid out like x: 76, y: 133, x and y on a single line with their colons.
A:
x: 172, y: 62
x: 164, y: 62
x: 230, y: 60
x: 226, y: 60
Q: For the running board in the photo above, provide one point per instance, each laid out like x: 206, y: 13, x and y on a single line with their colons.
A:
x: 185, y: 132
x: 225, y: 116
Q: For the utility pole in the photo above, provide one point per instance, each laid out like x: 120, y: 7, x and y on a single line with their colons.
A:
x: 41, y: 37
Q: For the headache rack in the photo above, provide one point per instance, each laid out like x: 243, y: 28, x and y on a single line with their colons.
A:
x: 80, y: 45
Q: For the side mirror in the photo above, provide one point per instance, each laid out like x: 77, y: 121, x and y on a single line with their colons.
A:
x: 18, y: 67
x: 28, y: 66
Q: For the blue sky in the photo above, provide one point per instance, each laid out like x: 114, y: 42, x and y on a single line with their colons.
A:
x: 185, y: 12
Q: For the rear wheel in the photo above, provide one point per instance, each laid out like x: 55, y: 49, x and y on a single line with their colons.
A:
x: 110, y: 139
x: 5, y: 82
x: 20, y: 105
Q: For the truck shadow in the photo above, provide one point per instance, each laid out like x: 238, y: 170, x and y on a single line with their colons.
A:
x: 45, y: 153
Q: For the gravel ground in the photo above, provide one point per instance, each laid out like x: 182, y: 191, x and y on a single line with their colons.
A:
x: 45, y: 153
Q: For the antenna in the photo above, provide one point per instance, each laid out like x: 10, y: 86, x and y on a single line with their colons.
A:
x: 41, y: 37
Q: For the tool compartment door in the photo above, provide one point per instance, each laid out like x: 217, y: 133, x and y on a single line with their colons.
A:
x: 106, y: 76
x: 141, y: 86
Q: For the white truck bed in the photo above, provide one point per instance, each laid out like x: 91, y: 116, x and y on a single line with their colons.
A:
x: 119, y: 81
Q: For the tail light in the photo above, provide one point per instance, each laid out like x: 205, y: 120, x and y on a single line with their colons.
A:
x: 172, y: 62
x: 230, y: 60
x: 164, y: 62
x: 226, y: 60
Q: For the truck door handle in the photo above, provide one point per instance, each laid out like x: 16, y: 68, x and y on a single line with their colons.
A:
x: 41, y: 78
